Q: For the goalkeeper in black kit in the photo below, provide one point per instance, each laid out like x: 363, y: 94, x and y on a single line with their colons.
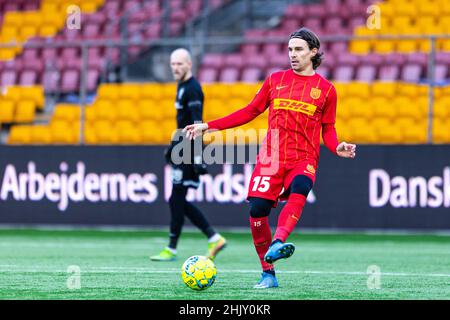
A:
x: 189, y: 105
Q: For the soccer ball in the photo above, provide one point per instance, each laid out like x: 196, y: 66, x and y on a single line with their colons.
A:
x: 198, y: 272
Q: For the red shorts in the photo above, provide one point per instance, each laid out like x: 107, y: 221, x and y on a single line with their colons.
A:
x: 271, y: 183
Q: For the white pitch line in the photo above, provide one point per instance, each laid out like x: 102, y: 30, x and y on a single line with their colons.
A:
x: 15, y: 269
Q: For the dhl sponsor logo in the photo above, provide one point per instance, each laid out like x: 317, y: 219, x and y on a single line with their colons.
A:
x: 294, y: 105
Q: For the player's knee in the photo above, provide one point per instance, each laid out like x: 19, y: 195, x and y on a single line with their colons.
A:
x: 260, y: 207
x: 301, y: 185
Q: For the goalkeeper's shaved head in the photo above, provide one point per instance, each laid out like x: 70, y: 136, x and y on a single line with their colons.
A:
x: 181, y: 54
x: 181, y: 64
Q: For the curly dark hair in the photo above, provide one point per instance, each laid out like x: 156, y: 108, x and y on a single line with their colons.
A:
x: 313, y: 42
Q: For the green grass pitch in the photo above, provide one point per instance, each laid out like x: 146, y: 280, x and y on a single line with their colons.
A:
x: 115, y: 265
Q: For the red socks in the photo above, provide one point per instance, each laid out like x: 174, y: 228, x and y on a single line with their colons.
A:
x: 262, y: 237
x: 289, y: 216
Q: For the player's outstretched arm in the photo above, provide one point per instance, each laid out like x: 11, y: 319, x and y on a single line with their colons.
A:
x: 346, y: 150
x: 195, y: 130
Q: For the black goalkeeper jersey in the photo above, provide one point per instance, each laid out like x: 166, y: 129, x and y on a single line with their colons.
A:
x: 189, y: 102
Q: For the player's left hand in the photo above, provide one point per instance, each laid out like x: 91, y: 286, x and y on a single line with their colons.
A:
x: 346, y: 150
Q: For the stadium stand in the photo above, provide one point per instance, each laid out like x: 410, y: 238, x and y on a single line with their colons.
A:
x: 131, y: 114
x: 58, y: 69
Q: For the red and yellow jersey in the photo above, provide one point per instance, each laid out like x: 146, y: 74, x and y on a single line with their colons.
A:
x: 298, y: 106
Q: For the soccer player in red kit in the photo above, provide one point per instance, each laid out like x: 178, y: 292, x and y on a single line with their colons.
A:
x: 301, y: 104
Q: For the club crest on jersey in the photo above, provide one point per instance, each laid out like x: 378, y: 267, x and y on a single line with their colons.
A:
x: 315, y: 93
x: 310, y: 169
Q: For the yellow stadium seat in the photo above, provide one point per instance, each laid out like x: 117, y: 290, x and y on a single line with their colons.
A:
x: 444, y: 45
x: 406, y: 46
x: 406, y: 108
x: 358, y: 107
x: 405, y: 8
x: 32, y: 18
x: 109, y: 91
x: 343, y: 131
x: 343, y: 111
x: 149, y: 110
x: 13, y: 18
x: 105, y: 132
x: 13, y: 93
x: 403, y: 123
x: 35, y: 93
x: 245, y: 91
x: 220, y: 90
x: 48, y: 30
x: 62, y: 133
x: 428, y: 8
x: 384, y: 46
x: 88, y: 7
x: 387, y: 9
x: 383, y: 108
x: 441, y: 130
x: 168, y: 128
x: 362, y: 136
x: 401, y: 23
x: 167, y: 108
x: 410, y: 90
x: 444, y: 23
x: 40, y: 134
x: 7, y: 54
x: 127, y: 133
x: 27, y: 32
x: 422, y: 104
x: 25, y: 111
x: 427, y: 24
x: 409, y: 45
x: 358, y: 89
x: 169, y: 90
x: 19, y: 134
x: 126, y: 110
x: 340, y: 89
x: 384, y: 89
x: 90, y: 114
x: 10, y: 33
x: 362, y: 46
x: 443, y: 7
x: 151, y: 91
x: 414, y: 135
x: 105, y: 112
x: 89, y: 135
x: 213, y: 109
x: 7, y: 110
x: 150, y: 132
x: 360, y: 130
x: 130, y: 91
x: 387, y: 133
x: 441, y: 108
x: 67, y: 112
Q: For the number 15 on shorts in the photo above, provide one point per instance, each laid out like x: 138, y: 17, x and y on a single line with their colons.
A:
x: 261, y: 184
